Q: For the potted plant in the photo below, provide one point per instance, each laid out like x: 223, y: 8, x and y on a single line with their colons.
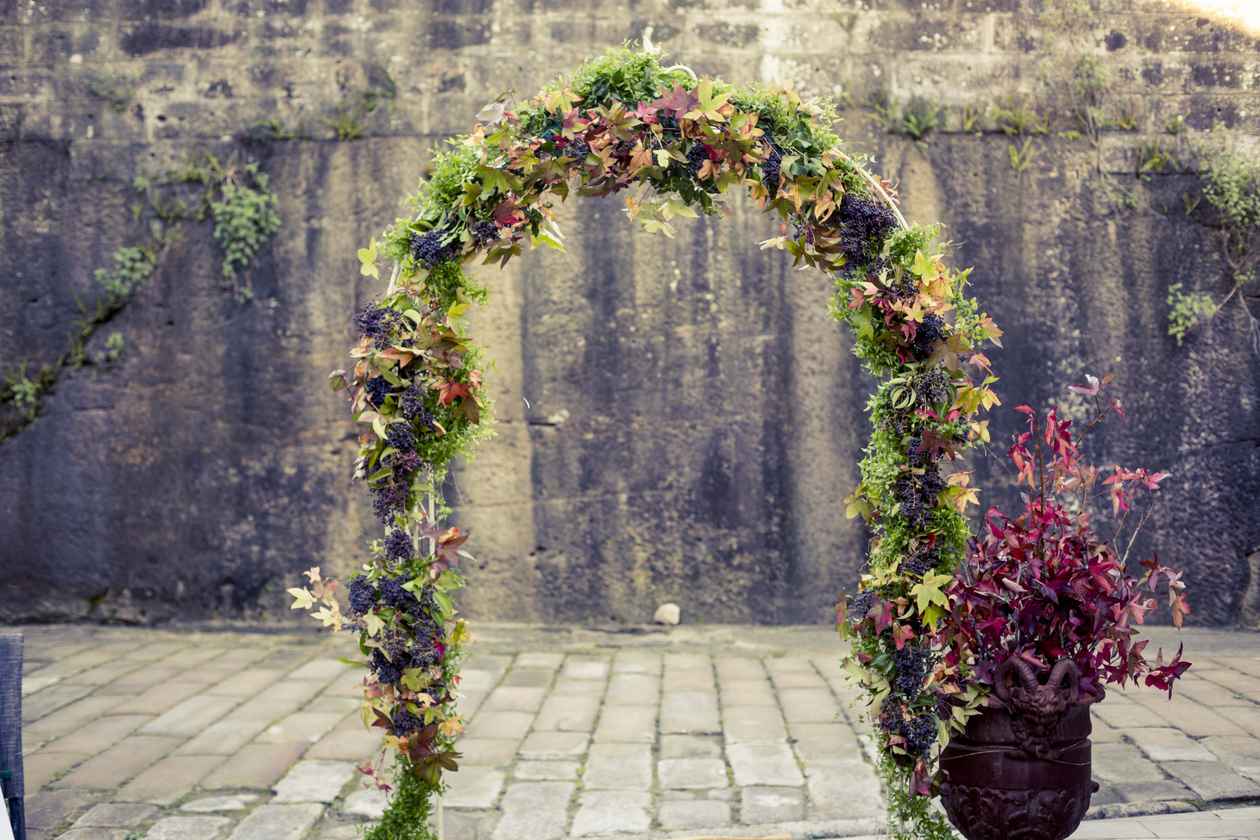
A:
x: 1041, y: 615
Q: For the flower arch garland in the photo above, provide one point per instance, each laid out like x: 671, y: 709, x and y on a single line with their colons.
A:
x: 415, y: 390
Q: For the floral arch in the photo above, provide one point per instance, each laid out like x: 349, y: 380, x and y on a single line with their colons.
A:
x: 623, y: 120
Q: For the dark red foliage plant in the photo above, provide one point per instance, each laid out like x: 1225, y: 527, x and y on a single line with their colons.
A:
x: 1044, y: 586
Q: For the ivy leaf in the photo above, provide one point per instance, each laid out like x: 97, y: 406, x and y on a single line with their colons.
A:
x: 923, y: 267
x: 367, y: 261
x: 374, y: 624
x: 302, y: 599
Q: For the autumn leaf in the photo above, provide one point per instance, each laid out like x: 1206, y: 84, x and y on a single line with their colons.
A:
x: 451, y: 391
x: 302, y: 599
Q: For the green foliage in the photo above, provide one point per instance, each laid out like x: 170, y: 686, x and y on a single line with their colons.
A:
x: 132, y: 267
x: 1186, y: 310
x: 1231, y: 184
x: 410, y: 809
x: 114, y: 346
x: 1022, y: 155
x: 1230, y: 204
x: 245, y: 219
x: 23, y: 392
x: 916, y: 118
x: 627, y: 75
x: 1156, y: 157
x: 268, y: 131
x: 1015, y: 117
x: 910, y: 817
x: 348, y: 117
x: 244, y: 212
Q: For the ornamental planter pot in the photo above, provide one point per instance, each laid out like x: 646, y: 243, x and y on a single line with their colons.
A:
x: 1021, y: 770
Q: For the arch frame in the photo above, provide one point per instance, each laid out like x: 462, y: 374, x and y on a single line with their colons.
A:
x: 416, y: 392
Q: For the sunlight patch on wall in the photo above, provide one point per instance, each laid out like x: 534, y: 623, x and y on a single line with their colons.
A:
x: 1242, y: 13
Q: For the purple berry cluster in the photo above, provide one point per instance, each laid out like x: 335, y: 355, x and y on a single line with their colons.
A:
x: 377, y: 390
x: 865, y: 224
x: 920, y: 734
x: 413, y: 407
x: 401, y: 437
x: 771, y: 167
x: 431, y: 250
x: 378, y: 323
x: 398, y: 545
x: 389, y: 498
x: 362, y: 596
x: 912, y: 665
x: 696, y: 156
x: 927, y: 334
x: 934, y: 388
x: 861, y: 605
x: 916, y: 494
x: 484, y: 231
x: 922, y: 560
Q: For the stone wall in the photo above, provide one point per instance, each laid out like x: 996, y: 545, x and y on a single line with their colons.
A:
x: 678, y: 419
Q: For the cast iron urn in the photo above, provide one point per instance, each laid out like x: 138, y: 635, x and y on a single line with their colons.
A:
x: 1021, y: 770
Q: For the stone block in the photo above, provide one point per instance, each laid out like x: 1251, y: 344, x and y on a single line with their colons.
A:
x: 495, y: 752
x: 764, y: 805
x: 314, y: 781
x: 748, y: 693
x: 692, y: 773
x: 634, y: 689
x: 43, y: 767
x: 189, y: 828
x: 1171, y: 745
x: 224, y: 738
x: 256, y: 766
x: 546, y: 771
x: 689, y: 712
x: 809, y: 705
x: 545, y: 746
x: 609, y: 811
x: 474, y: 787
x: 1212, y: 781
x: 120, y: 763
x: 515, y: 698
x: 537, y: 810
x: 98, y: 735
x: 696, y: 813
x: 585, y: 668
x: 691, y: 746
x: 568, y: 713
x: 369, y: 802
x: 116, y: 815
x: 765, y: 764
x: 843, y: 790
x: 619, y: 767
x: 750, y: 724
x: 219, y: 804
x: 627, y: 724
x: 501, y: 725
x: 278, y: 822
x: 189, y: 717
x: 169, y: 779
x: 300, y: 728
x: 353, y: 744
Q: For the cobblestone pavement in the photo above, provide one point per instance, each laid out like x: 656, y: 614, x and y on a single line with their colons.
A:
x: 733, y: 731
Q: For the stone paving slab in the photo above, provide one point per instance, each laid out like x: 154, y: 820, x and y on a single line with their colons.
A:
x: 718, y: 731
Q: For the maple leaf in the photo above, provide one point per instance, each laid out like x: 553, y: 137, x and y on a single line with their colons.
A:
x: 678, y: 101
x: 450, y: 391
x: 646, y: 112
x: 507, y: 213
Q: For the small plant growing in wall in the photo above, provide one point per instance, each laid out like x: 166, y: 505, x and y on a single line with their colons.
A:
x: 245, y: 219
x: 1228, y: 203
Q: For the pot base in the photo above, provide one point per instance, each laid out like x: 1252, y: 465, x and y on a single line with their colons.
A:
x: 987, y: 813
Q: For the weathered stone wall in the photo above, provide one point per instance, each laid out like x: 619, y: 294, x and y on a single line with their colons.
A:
x: 678, y: 419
